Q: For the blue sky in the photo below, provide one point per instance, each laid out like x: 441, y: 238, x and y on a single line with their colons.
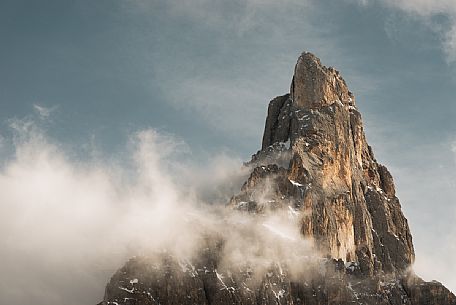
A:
x: 90, y: 73
x: 205, y: 70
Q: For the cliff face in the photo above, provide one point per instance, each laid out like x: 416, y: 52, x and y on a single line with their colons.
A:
x: 352, y: 212
x: 316, y: 163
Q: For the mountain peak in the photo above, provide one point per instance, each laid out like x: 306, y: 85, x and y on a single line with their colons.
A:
x: 315, y: 85
x: 315, y: 170
x: 354, y: 213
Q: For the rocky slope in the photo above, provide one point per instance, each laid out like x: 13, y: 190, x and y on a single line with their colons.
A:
x: 314, y: 162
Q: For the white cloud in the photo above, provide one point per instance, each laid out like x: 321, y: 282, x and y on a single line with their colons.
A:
x: 42, y: 111
x: 426, y: 9
x: 68, y: 225
x: 224, y: 108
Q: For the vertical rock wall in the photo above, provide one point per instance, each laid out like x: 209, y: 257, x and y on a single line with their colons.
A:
x: 316, y: 163
x: 354, y: 214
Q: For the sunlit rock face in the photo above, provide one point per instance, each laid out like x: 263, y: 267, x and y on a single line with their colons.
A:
x: 349, y: 199
x: 315, y: 85
x: 316, y: 164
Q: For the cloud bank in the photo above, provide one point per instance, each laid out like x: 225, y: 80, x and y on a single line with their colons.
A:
x: 68, y: 224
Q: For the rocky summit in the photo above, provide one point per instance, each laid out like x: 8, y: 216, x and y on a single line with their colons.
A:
x: 316, y: 164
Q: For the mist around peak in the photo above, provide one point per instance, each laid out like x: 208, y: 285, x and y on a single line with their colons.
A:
x: 68, y: 223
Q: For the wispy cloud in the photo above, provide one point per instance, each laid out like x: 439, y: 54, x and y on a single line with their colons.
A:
x: 42, y: 111
x: 68, y: 225
x: 453, y: 149
x: 240, y: 15
x: 241, y: 55
x: 450, y: 42
x: 427, y: 10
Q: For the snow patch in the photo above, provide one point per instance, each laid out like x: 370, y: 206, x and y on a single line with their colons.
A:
x: 127, y: 290
x: 295, y: 183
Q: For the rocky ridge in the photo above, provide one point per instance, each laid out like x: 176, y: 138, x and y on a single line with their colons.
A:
x: 315, y: 162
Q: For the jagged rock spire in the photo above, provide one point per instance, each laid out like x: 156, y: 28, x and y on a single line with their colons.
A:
x: 346, y: 203
x: 347, y: 199
x: 315, y: 85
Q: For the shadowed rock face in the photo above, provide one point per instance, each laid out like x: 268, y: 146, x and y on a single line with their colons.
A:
x: 315, y: 161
